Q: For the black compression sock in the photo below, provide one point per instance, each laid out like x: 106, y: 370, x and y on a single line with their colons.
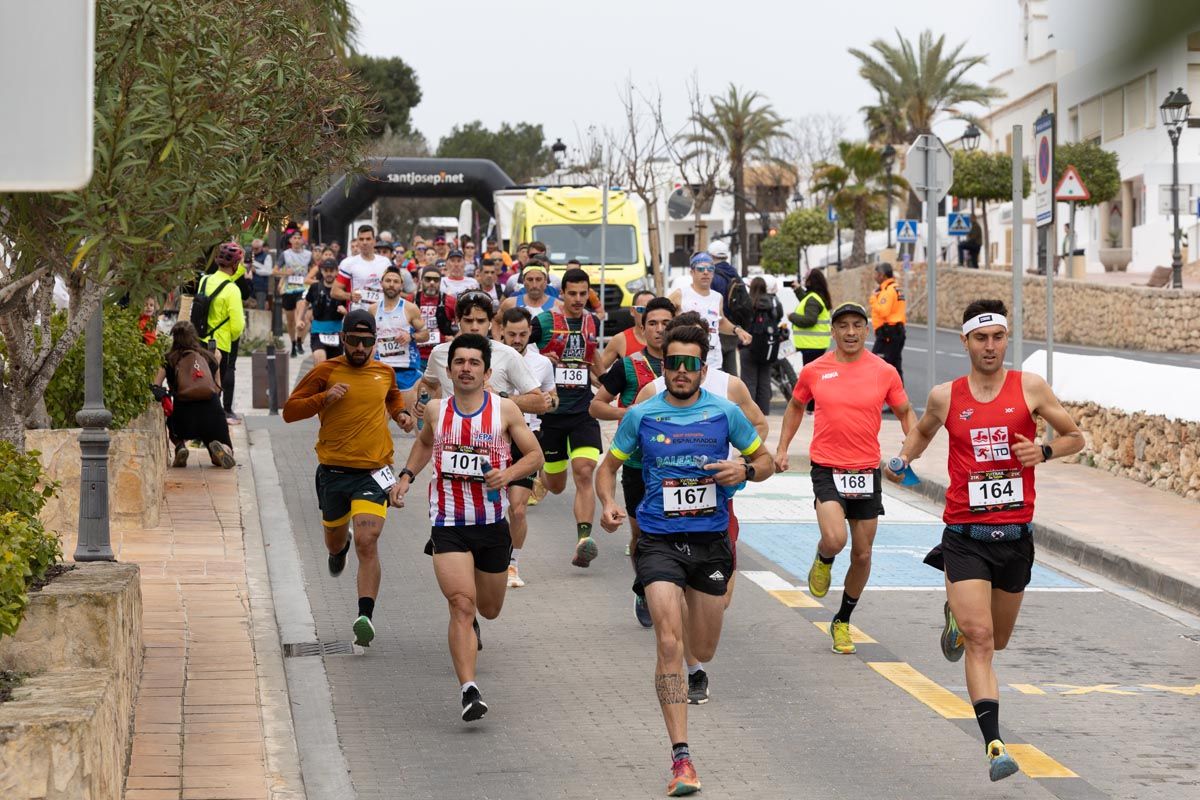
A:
x: 987, y: 714
x: 847, y: 607
x: 366, y: 606
x: 680, y: 750
x: 825, y: 560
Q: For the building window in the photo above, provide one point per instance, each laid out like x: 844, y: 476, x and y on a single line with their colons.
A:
x: 1114, y: 115
x: 1135, y: 104
x: 1089, y: 120
x: 1193, y: 80
x: 1194, y: 41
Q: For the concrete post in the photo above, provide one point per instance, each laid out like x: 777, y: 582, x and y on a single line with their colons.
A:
x: 93, y: 543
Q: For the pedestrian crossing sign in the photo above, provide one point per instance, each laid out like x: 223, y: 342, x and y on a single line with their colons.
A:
x: 959, y: 224
x: 906, y: 231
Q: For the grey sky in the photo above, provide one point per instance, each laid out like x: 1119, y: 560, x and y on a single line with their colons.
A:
x: 561, y: 64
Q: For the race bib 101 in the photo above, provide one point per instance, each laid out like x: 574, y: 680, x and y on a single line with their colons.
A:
x: 689, y: 497
x: 854, y: 484
x: 462, y: 463
x: 997, y: 490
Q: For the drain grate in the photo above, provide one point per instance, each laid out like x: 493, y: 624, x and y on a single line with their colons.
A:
x: 295, y: 649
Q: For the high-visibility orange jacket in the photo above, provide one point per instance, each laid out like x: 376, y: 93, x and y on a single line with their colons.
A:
x: 888, y: 306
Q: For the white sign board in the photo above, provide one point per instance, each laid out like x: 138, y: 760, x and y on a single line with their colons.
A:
x: 928, y: 151
x: 1187, y: 194
x: 1043, y: 169
x: 47, y: 54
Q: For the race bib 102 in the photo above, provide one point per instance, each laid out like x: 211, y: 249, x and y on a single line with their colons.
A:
x: 689, y: 497
x: 390, y: 347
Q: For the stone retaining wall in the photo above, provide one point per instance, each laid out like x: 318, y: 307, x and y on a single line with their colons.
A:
x: 137, y: 472
x: 1131, y: 317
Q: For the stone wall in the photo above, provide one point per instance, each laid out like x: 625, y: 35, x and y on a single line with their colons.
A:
x: 137, y: 472
x: 1131, y: 317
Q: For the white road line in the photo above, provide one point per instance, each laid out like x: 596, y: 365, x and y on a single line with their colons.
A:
x: 767, y: 580
x: 1057, y: 589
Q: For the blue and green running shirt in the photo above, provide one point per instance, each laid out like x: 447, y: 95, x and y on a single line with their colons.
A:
x: 673, y: 442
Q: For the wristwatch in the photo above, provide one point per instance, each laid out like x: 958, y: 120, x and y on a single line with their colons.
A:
x: 408, y: 472
x: 1047, y: 452
x: 750, y: 473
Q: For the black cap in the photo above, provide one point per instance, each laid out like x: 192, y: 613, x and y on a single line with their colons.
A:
x: 359, y: 321
x: 849, y: 308
x: 384, y: 246
x: 454, y: 254
x: 329, y: 263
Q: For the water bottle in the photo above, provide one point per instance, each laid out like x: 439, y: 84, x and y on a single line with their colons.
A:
x: 907, y: 476
x: 493, y: 495
x: 423, y: 400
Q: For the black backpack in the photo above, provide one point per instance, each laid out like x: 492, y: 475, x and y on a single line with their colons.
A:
x: 201, y: 304
x: 766, y: 335
x: 738, y: 307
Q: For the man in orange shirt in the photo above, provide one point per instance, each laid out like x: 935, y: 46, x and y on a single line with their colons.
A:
x: 353, y: 395
x: 889, y: 315
x: 849, y: 385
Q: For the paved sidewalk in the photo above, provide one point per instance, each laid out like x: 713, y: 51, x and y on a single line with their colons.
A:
x: 1145, y: 538
x: 206, y: 722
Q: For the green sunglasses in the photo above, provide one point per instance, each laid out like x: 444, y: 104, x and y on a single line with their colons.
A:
x: 687, y: 363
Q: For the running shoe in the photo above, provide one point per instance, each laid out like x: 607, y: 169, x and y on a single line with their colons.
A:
x: 840, y: 631
x: 953, y: 643
x: 698, y: 687
x: 364, y: 631
x: 818, y: 577
x: 514, y: 578
x: 181, y: 456
x: 683, y: 779
x: 222, y: 455
x: 585, y: 552
x: 539, y: 492
x: 337, y: 561
x: 233, y: 418
x: 1000, y: 763
x: 478, y: 635
x: 642, y: 611
x: 473, y: 705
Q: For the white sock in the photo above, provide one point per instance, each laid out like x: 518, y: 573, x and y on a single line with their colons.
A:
x: 516, y: 553
x: 694, y: 668
x: 468, y: 685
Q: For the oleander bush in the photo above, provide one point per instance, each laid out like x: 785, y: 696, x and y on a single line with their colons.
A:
x: 27, y: 549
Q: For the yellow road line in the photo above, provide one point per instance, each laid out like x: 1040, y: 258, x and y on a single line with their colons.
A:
x: 856, y: 635
x: 941, y: 700
x: 1186, y: 691
x: 794, y: 598
x: 1037, y: 764
x: 1027, y: 688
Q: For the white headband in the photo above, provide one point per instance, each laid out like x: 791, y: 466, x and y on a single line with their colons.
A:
x: 982, y: 321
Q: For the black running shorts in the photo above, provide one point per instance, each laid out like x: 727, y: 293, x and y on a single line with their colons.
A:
x: 491, y: 545
x: 331, y: 350
x: 633, y: 486
x: 701, y: 561
x: 825, y: 490
x: 1008, y: 566
x: 343, y: 492
x: 527, y: 481
x: 569, y: 436
x: 291, y: 299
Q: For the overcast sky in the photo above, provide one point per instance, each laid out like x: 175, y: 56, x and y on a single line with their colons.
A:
x: 562, y: 64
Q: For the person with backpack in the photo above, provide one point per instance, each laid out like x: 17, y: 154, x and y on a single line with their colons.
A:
x: 701, y: 296
x: 193, y: 377
x: 767, y: 330
x: 738, y: 308
x: 218, y: 316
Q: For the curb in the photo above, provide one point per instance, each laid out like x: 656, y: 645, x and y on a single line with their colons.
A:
x: 1119, y: 565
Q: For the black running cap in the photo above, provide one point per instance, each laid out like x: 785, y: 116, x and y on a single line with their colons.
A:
x: 849, y: 308
x: 359, y: 321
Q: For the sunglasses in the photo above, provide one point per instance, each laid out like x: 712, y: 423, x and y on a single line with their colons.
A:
x: 686, y: 363
x: 431, y: 279
x: 358, y: 341
x: 640, y: 309
x: 705, y: 268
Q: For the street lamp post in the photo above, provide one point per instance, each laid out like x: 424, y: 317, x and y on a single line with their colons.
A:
x: 798, y: 200
x: 889, y: 158
x: 560, y: 157
x: 1174, y: 112
x: 93, y: 543
x: 970, y: 143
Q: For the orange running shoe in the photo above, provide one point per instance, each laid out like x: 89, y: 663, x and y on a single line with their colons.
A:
x: 683, y: 778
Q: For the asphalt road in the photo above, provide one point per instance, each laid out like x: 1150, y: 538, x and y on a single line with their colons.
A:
x: 1108, y: 689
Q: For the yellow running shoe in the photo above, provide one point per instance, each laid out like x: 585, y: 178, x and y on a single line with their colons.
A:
x: 842, y: 644
x: 818, y: 577
x: 1000, y: 763
x: 539, y: 491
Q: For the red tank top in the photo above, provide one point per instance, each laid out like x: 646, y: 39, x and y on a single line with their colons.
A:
x: 632, y: 345
x: 988, y: 486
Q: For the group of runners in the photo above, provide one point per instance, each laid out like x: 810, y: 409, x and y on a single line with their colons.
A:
x: 496, y: 417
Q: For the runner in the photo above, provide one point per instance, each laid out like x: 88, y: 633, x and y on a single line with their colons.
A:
x: 325, y: 314
x: 293, y: 272
x: 700, y: 297
x: 400, y: 325
x: 515, y: 330
x: 683, y: 552
x: 987, y: 547
x: 623, y: 381
x: 436, y: 309
x: 535, y: 278
x: 850, y: 386
x: 570, y: 436
x: 353, y: 395
x: 630, y: 340
x: 359, y: 274
x: 469, y: 437
x: 455, y: 282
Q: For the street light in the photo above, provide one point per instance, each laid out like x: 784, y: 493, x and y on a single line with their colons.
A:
x: 889, y: 157
x: 92, y: 543
x: 560, y: 153
x: 970, y: 138
x: 798, y: 201
x: 1174, y: 112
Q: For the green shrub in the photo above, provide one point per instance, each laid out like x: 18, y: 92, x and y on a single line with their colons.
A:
x: 27, y: 549
x: 129, y: 367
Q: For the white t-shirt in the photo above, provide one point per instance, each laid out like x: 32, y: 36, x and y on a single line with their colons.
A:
x: 363, y: 277
x: 509, y: 371
x: 454, y: 287
x: 542, y: 370
x: 296, y: 264
x: 709, y: 308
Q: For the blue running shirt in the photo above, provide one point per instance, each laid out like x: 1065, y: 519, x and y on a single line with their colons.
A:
x: 681, y: 497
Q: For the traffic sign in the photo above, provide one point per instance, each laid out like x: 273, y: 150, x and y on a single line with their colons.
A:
x: 906, y: 231
x: 928, y: 166
x: 1070, y: 187
x: 959, y: 224
x: 1043, y: 173
x: 831, y: 214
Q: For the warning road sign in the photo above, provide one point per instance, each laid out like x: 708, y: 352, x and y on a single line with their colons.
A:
x: 1070, y: 187
x: 906, y: 231
x: 959, y: 224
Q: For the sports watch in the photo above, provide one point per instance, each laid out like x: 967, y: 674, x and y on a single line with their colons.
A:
x: 750, y: 472
x: 1047, y: 452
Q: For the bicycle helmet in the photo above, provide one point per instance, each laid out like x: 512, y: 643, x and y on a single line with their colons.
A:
x: 229, y: 253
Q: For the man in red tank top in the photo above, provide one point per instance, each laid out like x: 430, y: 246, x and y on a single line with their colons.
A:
x: 632, y: 339
x: 987, y: 546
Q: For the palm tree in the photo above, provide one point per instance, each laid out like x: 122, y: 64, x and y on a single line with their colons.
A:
x: 857, y: 187
x: 335, y: 19
x: 742, y: 125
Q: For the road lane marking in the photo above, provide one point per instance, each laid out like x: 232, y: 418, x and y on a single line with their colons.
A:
x: 794, y: 598
x: 1059, y: 589
x: 767, y: 579
x: 941, y: 700
x: 1186, y: 691
x: 856, y: 634
x: 1027, y: 688
x: 1036, y: 764
x: 1100, y: 688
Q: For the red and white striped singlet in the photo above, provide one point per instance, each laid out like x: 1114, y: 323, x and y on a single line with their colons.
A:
x: 461, y: 444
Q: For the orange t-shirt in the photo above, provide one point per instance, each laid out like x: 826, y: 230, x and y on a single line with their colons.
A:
x: 849, y: 398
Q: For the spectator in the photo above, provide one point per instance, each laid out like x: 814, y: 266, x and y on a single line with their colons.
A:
x: 723, y: 275
x: 200, y: 419
x: 226, y: 317
x: 767, y: 330
x: 972, y: 244
x: 263, y: 265
x: 148, y: 321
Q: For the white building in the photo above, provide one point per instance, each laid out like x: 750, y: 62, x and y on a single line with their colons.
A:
x: 1100, y: 95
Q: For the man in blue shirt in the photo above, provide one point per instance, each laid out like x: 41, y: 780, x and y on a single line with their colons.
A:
x: 683, y: 437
